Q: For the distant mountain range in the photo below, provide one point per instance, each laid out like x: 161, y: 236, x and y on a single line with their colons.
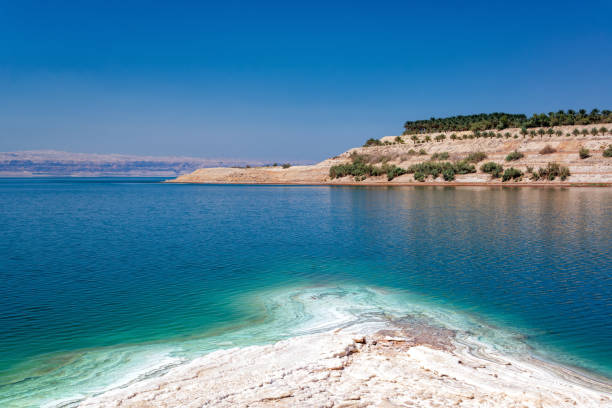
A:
x: 58, y: 163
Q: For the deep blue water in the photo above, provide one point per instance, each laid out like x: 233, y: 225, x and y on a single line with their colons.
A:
x: 99, y: 275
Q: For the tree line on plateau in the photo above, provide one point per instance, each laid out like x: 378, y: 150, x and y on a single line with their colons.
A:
x: 499, y: 121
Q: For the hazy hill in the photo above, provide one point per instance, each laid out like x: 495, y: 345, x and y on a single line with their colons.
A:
x: 58, y: 163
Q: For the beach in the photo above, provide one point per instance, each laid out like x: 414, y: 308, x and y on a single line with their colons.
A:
x: 399, y: 366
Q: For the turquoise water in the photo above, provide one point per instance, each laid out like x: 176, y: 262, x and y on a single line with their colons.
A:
x: 106, y: 281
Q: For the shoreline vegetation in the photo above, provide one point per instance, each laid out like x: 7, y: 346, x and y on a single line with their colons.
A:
x: 563, y: 148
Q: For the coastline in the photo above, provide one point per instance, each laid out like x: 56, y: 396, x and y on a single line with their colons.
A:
x: 582, y: 159
x: 400, y: 365
x: 404, y: 184
x: 357, y: 347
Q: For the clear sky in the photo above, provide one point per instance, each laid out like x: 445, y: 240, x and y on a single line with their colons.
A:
x: 284, y: 80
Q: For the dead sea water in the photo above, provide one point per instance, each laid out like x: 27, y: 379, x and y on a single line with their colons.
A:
x: 108, y: 281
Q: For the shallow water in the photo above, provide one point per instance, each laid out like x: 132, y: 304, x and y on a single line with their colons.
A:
x: 109, y: 280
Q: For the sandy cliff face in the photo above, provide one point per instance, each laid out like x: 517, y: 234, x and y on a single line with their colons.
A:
x: 595, y: 169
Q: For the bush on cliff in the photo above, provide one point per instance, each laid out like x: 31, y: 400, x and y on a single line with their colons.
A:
x: 551, y: 171
x: 608, y: 152
x: 493, y: 169
x: 584, y: 153
x: 511, y: 173
x: 435, y: 169
x: 393, y: 171
x: 515, y: 155
x: 476, y: 157
x: 372, y: 142
x: 440, y: 156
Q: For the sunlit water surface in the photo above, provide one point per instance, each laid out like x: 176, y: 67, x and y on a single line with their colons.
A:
x: 107, y: 281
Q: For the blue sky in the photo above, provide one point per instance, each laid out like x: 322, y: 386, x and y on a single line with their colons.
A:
x: 284, y: 80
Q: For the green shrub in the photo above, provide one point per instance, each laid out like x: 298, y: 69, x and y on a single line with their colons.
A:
x: 447, y: 169
x: 464, y: 167
x: 492, y: 168
x: 286, y: 165
x: 418, y: 176
x: 440, y: 156
x: 360, y: 169
x: 552, y: 171
x: 398, y: 139
x: 448, y: 173
x: 515, y: 155
x: 372, y: 142
x: 393, y: 171
x: 422, y: 152
x: 412, y: 152
x: 511, y: 173
x: 584, y: 153
x: 608, y: 152
x: 476, y: 157
x: 564, y: 172
x: 548, y: 149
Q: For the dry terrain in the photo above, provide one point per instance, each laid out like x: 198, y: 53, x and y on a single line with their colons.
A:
x: 395, y: 367
x: 594, y: 170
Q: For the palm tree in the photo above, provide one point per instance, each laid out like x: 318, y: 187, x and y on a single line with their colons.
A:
x: 594, y: 131
x: 559, y: 133
x: 550, y: 132
x: 603, y: 130
x: 585, y: 132
x: 524, y: 131
x: 576, y: 132
x: 541, y: 132
x: 532, y: 133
